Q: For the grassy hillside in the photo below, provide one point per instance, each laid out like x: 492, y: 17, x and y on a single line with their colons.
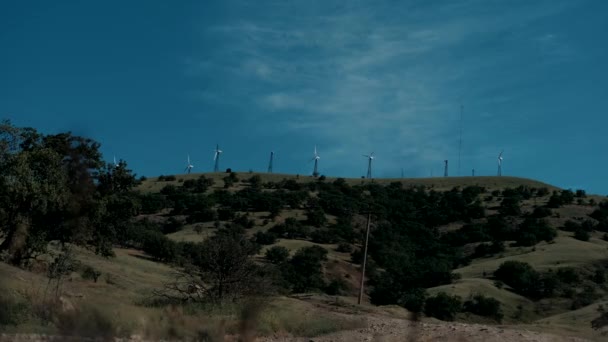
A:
x: 438, y: 183
x: 125, y: 289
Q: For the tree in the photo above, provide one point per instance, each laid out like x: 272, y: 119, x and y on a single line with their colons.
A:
x: 520, y: 276
x: 277, y: 254
x: 443, y: 306
x: 581, y: 235
x: 484, y: 306
x: 226, y: 268
x: 33, y: 185
x: 304, y: 270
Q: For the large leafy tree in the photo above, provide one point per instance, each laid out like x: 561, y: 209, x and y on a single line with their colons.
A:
x: 55, y: 187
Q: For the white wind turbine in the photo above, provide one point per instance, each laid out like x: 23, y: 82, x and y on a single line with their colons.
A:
x: 115, y: 163
x: 369, y: 157
x: 500, y: 163
x: 316, y: 158
x: 216, y: 158
x: 189, y: 166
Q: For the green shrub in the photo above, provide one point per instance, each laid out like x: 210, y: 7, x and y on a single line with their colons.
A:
x: 89, y: 273
x: 324, y: 236
x: 581, y: 235
x: 304, y: 270
x: 336, y: 287
x: 264, y: 238
x: 413, y: 300
x: 277, y: 254
x: 443, y: 306
x: 484, y: 306
x: 520, y: 276
x: 344, y: 247
x: 568, y: 275
x: 541, y: 212
x: 12, y: 311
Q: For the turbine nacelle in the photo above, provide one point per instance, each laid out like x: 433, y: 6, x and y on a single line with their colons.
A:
x: 316, y: 157
x: 217, y: 152
x: 189, y: 165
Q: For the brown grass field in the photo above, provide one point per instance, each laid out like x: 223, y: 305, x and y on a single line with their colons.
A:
x: 127, y: 281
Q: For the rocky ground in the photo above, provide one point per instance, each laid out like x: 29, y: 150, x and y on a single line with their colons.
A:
x: 381, y: 329
x: 393, y: 330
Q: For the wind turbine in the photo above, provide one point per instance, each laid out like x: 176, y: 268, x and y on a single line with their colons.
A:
x: 500, y: 163
x: 189, y: 166
x: 445, y: 168
x: 115, y: 163
x: 216, y: 158
x: 369, y: 157
x: 270, y: 163
x: 316, y: 158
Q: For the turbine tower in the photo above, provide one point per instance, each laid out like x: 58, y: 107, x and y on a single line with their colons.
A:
x: 189, y: 166
x: 316, y: 158
x: 369, y: 157
x: 216, y: 158
x: 500, y: 163
x: 445, y: 169
x: 270, y: 163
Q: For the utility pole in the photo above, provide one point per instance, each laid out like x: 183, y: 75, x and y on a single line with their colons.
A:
x: 369, y: 219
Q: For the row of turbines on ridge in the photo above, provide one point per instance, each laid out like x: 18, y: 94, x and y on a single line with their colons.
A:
x: 315, y: 173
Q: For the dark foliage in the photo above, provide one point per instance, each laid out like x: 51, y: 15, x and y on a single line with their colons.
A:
x: 443, y: 306
x: 484, y: 306
x: 277, y: 254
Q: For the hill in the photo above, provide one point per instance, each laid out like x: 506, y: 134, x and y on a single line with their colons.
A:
x: 153, y: 184
x: 88, y: 250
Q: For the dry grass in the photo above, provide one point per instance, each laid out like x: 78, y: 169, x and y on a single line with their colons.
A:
x: 113, y: 305
x: 437, y: 183
x: 509, y: 300
x: 573, y: 323
x: 565, y: 251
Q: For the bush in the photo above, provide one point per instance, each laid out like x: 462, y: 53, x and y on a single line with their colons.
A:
x: 304, y: 270
x: 520, y: 276
x: 584, y: 298
x: 484, y: 306
x: 159, y: 247
x: 541, y: 212
x: 568, y: 275
x: 336, y: 287
x: 277, y: 254
x: 89, y: 273
x: 172, y: 225
x: 225, y: 214
x: 541, y: 192
x: 344, y: 247
x: 12, y: 311
x: 244, y: 221
x: 581, y: 235
x: 324, y: 236
x: 571, y: 226
x: 443, y: 306
x: 264, y: 238
x: 413, y: 300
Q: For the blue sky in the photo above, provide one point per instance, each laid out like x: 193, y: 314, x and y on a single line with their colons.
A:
x: 154, y: 81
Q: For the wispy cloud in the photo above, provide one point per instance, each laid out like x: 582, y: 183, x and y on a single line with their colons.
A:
x: 387, y: 78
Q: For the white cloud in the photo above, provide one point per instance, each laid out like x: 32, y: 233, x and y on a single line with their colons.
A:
x: 364, y: 82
